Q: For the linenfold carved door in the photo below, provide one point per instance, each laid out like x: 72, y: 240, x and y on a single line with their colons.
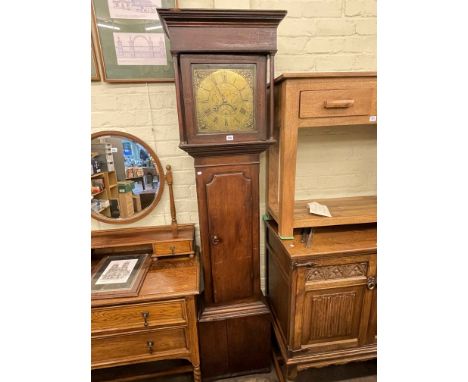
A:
x: 336, y: 304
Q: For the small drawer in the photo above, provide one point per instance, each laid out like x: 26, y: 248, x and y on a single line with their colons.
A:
x: 137, y: 316
x: 146, y: 345
x: 336, y: 103
x: 172, y: 247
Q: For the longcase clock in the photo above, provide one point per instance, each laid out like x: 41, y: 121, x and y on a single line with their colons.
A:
x: 223, y: 61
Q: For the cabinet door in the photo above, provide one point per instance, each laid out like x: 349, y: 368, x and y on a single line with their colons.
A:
x: 231, y: 230
x: 336, y: 303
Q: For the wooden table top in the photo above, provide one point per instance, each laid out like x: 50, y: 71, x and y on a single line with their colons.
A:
x: 166, y: 279
x: 348, y: 239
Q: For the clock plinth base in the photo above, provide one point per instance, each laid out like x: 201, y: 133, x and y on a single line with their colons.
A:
x: 235, y: 339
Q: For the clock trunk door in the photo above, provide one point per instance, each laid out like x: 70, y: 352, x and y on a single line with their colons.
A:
x: 231, y: 214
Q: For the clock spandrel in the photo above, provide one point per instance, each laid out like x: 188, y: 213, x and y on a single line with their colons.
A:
x: 224, y: 98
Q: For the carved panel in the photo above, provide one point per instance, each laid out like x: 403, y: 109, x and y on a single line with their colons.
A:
x: 337, y: 272
x: 332, y: 315
x: 332, y: 318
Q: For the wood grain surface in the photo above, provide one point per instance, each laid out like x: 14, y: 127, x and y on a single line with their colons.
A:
x: 352, y: 239
x: 125, y: 317
x: 351, y: 210
x: 131, y: 347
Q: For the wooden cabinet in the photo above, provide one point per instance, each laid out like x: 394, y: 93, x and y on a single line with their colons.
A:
x: 321, y: 270
x: 323, y: 297
x: 159, y: 324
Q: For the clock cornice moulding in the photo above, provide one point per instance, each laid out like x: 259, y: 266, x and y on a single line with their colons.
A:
x: 218, y: 30
x: 221, y: 17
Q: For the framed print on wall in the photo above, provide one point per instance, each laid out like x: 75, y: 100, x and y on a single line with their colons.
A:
x: 132, y: 44
x: 95, y: 76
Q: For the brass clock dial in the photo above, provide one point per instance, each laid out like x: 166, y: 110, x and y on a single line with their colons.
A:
x: 224, y: 98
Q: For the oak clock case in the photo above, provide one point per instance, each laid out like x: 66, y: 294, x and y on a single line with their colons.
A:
x: 228, y: 105
x: 223, y: 60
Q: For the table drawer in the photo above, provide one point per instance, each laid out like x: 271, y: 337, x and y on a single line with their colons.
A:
x: 172, y: 247
x: 336, y: 102
x: 146, y: 345
x: 138, y: 316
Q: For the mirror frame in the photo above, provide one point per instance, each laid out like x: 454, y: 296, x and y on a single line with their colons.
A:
x: 162, y: 177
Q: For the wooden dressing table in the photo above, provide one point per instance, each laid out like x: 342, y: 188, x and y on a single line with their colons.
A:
x: 158, y: 324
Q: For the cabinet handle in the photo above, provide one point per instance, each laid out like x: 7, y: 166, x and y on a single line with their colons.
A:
x: 215, y: 240
x: 310, y: 264
x: 371, y: 283
x: 338, y: 104
x: 145, y: 317
x: 150, y: 345
x: 172, y: 248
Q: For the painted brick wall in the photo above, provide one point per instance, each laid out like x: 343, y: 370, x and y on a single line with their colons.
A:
x: 316, y: 35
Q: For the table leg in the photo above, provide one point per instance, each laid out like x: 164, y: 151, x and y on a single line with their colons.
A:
x: 196, y: 373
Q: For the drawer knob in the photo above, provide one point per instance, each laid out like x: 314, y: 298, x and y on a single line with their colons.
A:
x: 338, y: 104
x: 172, y: 248
x: 371, y: 283
x: 150, y: 345
x: 145, y: 316
x: 215, y: 240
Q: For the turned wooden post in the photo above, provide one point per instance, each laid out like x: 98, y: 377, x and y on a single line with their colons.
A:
x: 170, y: 180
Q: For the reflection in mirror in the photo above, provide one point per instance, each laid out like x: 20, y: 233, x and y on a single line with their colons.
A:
x: 126, y: 178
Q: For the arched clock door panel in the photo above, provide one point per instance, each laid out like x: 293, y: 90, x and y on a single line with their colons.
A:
x: 231, y: 240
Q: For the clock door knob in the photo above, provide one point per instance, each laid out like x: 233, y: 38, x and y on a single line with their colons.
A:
x: 215, y: 240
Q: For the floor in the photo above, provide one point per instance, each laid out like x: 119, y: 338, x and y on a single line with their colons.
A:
x: 352, y: 372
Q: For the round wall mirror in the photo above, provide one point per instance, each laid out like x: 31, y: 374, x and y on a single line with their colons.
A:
x: 127, y: 179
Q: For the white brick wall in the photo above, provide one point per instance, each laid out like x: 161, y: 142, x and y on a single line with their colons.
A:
x: 316, y: 35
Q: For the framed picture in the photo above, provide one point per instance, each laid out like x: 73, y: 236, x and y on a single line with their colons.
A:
x: 132, y: 44
x: 95, y: 76
x: 119, y: 276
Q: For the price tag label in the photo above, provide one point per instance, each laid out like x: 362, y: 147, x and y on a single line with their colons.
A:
x: 229, y: 137
x: 372, y: 118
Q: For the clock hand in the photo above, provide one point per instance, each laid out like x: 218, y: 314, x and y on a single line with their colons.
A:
x: 219, y: 91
